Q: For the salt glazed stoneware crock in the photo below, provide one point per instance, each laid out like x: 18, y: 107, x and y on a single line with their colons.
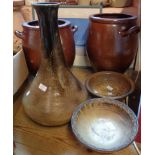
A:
x: 31, y: 42
x: 112, y: 41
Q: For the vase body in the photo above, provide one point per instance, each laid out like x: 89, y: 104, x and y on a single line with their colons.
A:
x: 31, y: 43
x: 55, y: 92
x: 112, y: 41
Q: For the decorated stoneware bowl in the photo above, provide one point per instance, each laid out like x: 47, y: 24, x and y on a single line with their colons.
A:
x: 109, y: 84
x: 104, y: 125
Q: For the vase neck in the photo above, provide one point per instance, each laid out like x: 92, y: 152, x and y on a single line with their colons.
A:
x: 50, y: 39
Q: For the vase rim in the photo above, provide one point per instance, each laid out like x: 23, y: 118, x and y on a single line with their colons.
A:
x: 45, y: 4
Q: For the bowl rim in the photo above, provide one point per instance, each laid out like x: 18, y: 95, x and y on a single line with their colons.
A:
x: 108, y: 101
x: 132, y: 84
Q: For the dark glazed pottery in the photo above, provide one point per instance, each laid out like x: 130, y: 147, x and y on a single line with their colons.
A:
x: 112, y: 41
x: 104, y: 125
x: 54, y: 92
x: 32, y: 43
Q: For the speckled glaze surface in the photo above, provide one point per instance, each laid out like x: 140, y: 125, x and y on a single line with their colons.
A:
x: 31, y: 42
x: 104, y: 125
x: 112, y: 41
x: 109, y: 84
x: 54, y: 92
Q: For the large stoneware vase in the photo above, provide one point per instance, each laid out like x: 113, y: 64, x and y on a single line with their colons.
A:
x: 112, y: 41
x: 55, y: 92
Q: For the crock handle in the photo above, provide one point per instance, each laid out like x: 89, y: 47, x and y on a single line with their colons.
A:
x: 19, y: 34
x: 134, y: 29
x: 74, y: 28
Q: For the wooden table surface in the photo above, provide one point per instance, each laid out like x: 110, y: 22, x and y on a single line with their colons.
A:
x: 33, y: 139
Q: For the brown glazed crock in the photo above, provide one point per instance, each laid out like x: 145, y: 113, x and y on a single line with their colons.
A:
x: 32, y: 44
x: 112, y: 41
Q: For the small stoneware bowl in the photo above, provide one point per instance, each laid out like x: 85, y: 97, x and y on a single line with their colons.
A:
x: 109, y: 84
x: 104, y: 125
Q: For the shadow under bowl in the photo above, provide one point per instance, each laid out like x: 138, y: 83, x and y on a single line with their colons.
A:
x: 104, y: 125
x: 110, y: 84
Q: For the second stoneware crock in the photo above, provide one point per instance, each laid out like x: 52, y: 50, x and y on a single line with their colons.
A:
x: 32, y: 43
x: 112, y: 41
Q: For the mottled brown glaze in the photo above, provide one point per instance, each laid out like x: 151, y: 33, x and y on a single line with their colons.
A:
x: 54, y: 92
x: 112, y: 41
x: 31, y: 43
x: 104, y: 125
x: 109, y: 84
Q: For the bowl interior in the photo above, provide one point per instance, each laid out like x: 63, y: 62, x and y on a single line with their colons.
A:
x: 104, y: 126
x: 109, y: 84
